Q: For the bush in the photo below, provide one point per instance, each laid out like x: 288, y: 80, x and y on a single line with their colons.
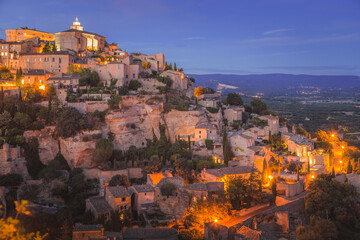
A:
x: 212, y: 110
x: 85, y: 139
x: 119, y: 180
x: 165, y: 80
x: 11, y: 179
x: 103, y: 151
x: 234, y: 99
x: 114, y: 101
x: 68, y: 122
x: 123, y: 90
x: 167, y: 189
x: 134, y: 85
x: 209, y: 144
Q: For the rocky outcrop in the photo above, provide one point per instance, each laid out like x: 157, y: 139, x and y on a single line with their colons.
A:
x: 180, y: 123
x: 48, y: 145
x: 79, y: 153
x: 135, y: 120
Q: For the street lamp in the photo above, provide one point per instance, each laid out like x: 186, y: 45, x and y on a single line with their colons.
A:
x: 215, y: 220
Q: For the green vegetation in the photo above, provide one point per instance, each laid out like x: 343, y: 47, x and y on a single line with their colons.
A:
x: 33, y: 163
x: 333, y: 209
x: 209, y: 143
x: 119, y: 180
x: 134, y: 85
x: 166, y: 80
x: 212, y: 110
x: 234, y: 99
x: 5, y: 73
x: 103, y: 151
x: 226, y: 148
x: 69, y: 122
x: 167, y: 189
x: 87, y: 77
x: 114, y: 101
x: 10, y: 180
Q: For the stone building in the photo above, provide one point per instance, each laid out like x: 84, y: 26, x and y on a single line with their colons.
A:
x: 221, y: 174
x: 64, y: 80
x: 180, y: 82
x: 233, y: 113
x: 76, y: 39
x: 203, y: 190
x: 142, y: 196
x: 23, y: 33
x: 157, y: 60
x: 85, y: 232
x: 118, y: 197
x: 36, y: 77
x: 99, y: 207
x: 273, y: 123
x: 54, y: 62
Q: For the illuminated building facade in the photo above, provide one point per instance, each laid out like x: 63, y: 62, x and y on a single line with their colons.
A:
x: 77, y: 40
x: 23, y: 33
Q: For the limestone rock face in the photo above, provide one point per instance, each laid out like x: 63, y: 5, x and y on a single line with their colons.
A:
x: 77, y: 152
x: 134, y: 123
x: 48, y: 146
x: 182, y: 122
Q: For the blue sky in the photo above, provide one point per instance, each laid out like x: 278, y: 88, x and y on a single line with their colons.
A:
x: 213, y: 36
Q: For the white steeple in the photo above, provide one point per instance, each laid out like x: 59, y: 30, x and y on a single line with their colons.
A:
x: 76, y: 25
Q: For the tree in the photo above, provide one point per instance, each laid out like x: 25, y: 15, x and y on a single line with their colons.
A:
x: 134, y: 85
x: 175, y: 67
x: 103, y: 151
x: 5, y: 73
x: 199, y: 91
x: 114, y: 101
x: 10, y: 228
x: 23, y: 120
x: 167, y: 189
x: 226, y: 148
x: 33, y: 163
x: 334, y: 201
x: 47, y: 47
x: 68, y: 122
x: 264, y: 170
x: 5, y: 120
x: 10, y: 180
x: 237, y: 191
x: 18, y: 77
x: 349, y: 167
x: 273, y: 192
x: 119, y: 180
x: 209, y: 144
x: 146, y: 65
x: 234, y: 99
x: 258, y: 106
x: 302, y: 131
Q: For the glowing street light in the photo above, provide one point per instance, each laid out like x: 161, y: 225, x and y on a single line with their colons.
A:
x: 312, y: 176
x: 342, y: 147
x: 332, y: 135
x: 215, y: 220
x: 271, y: 177
x: 42, y: 87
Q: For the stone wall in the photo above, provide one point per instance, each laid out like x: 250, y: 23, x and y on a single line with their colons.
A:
x: 290, y: 189
x: 90, y: 106
x: 131, y: 173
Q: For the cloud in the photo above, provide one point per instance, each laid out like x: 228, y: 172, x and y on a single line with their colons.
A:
x: 194, y: 38
x: 276, y: 31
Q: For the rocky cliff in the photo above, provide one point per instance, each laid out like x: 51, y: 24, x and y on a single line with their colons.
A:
x: 48, y: 145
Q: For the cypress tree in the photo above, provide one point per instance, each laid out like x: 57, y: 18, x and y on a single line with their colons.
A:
x: 226, y: 148
x: 273, y: 191
x: 333, y: 172
x: 175, y: 67
x: 263, y: 176
x: 297, y: 173
x: 349, y: 167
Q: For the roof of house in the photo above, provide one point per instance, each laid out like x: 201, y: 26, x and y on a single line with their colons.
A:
x: 49, y: 53
x: 248, y: 233
x: 75, y: 30
x: 64, y: 76
x: 37, y: 72
x: 206, y: 125
x: 221, y: 172
x: 119, y: 191
x: 86, y: 228
x: 206, y: 186
x: 149, y: 233
x: 143, y: 188
x: 301, y: 140
x: 100, y: 204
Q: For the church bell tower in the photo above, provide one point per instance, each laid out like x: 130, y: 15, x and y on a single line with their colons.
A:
x: 76, y: 25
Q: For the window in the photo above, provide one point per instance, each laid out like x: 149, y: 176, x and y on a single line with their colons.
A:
x: 133, y: 75
x: 127, y: 76
x: 145, y: 194
x: 53, y: 59
x: 59, y: 60
x: 199, y: 132
x: 123, y: 199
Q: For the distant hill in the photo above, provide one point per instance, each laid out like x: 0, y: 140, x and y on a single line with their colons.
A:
x: 272, y: 83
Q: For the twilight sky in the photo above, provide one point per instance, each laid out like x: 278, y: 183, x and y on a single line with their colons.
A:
x: 213, y: 36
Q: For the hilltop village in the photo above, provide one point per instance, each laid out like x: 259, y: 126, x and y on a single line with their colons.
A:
x: 99, y: 143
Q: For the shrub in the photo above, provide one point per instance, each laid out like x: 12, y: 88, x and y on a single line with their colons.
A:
x: 103, y: 151
x: 119, y: 180
x: 209, y: 143
x: 10, y: 179
x: 134, y: 85
x: 123, y: 90
x: 68, y: 122
x: 85, y: 138
x: 234, y: 99
x: 212, y: 110
x: 167, y: 189
x: 114, y: 101
x: 165, y: 80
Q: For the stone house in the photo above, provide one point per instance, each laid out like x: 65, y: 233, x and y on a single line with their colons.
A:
x: 273, y: 123
x: 85, y: 232
x: 204, y: 130
x: 301, y: 145
x: 54, y: 62
x: 157, y: 61
x: 118, y: 198
x: 36, y: 77
x: 240, y: 143
x: 290, y: 189
x: 233, y: 113
x: 180, y: 82
x: 99, y: 207
x: 203, y: 190
x: 221, y: 174
x: 65, y: 80
x: 24, y: 33
x: 246, y: 233
x: 142, y: 196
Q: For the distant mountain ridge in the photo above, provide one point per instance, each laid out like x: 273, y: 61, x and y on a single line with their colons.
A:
x: 277, y: 81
